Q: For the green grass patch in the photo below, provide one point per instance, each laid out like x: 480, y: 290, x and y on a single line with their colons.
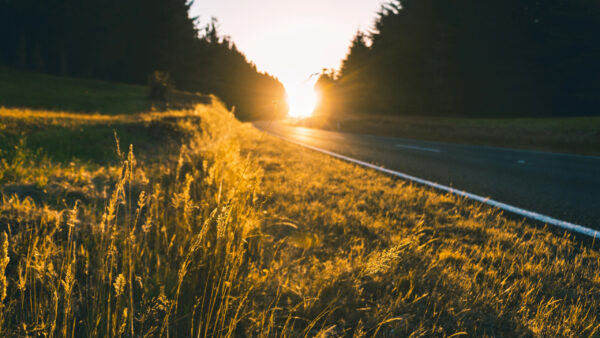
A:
x: 47, y: 92
x: 95, y: 143
x: 66, y: 137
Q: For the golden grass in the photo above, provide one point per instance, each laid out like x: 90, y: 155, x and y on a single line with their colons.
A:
x: 396, y: 259
x: 144, y: 249
x: 229, y: 232
x: 30, y: 116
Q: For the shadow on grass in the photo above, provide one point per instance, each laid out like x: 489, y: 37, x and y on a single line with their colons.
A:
x: 92, y: 143
x: 39, y: 91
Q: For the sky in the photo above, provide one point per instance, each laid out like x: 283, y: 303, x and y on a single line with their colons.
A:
x: 291, y: 39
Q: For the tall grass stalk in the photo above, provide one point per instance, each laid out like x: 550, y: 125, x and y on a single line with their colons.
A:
x: 123, y: 267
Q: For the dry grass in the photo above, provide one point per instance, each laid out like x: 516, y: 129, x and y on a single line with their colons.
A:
x: 139, y: 247
x: 219, y: 230
x: 370, y: 254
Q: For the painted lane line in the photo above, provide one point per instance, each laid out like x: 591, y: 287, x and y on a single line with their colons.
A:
x: 418, y: 148
x: 506, y: 207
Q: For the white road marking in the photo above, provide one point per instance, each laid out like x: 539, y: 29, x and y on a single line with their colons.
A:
x: 507, y: 207
x: 418, y: 148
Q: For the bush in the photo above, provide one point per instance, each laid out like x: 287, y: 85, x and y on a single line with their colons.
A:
x: 160, y: 85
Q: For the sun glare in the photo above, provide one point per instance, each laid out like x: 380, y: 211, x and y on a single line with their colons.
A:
x: 302, y: 100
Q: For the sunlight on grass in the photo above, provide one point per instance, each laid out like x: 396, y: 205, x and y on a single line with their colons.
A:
x: 108, y: 250
x: 208, y: 227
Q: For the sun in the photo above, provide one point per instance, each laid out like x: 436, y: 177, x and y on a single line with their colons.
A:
x: 302, y: 100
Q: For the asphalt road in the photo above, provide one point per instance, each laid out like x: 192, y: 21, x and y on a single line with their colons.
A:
x: 566, y: 187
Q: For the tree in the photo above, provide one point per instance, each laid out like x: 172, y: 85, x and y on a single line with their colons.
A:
x: 127, y: 40
x: 476, y: 58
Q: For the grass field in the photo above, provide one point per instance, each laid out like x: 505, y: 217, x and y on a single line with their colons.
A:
x: 206, y: 227
x: 576, y: 135
x: 64, y: 94
x: 47, y: 92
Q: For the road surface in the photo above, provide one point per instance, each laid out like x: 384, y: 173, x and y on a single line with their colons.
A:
x: 566, y: 187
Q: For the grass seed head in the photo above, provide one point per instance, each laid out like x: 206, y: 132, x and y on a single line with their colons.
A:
x: 4, y: 260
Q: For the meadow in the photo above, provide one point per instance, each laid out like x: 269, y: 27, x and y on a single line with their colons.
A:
x: 190, y: 223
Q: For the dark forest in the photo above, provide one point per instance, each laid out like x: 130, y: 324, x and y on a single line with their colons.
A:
x: 472, y: 58
x: 127, y: 41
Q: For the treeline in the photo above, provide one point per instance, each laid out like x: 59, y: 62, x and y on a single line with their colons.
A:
x: 472, y: 58
x: 127, y: 40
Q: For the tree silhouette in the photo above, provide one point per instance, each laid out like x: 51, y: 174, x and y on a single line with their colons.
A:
x: 127, y: 40
x: 475, y: 58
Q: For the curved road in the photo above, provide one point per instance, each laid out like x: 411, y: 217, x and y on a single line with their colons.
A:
x: 566, y: 187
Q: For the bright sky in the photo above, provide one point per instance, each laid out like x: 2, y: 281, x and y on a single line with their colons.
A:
x: 291, y: 39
